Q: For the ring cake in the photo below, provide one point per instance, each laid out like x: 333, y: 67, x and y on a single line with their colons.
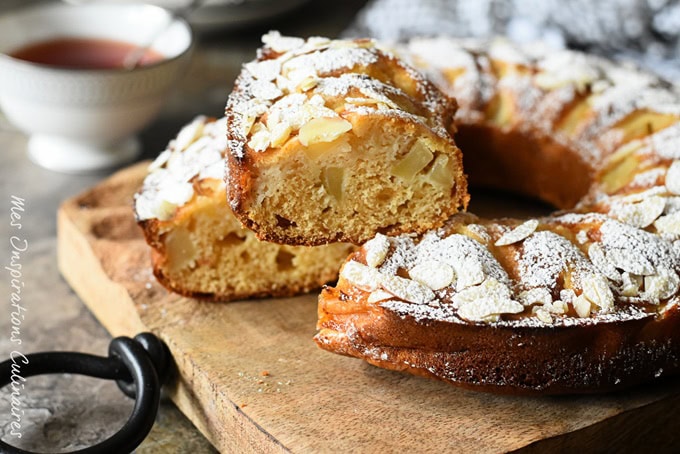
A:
x: 336, y: 141
x: 580, y: 301
x: 198, y: 247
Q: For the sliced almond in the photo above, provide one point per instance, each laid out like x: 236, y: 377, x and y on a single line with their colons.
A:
x: 418, y: 157
x: 433, y: 274
x: 362, y: 276
x: 673, y: 178
x: 189, y: 134
x: 407, y: 289
x: 519, y: 233
x: 631, y: 284
x: 669, y: 224
x: 582, y: 306
x: 323, y: 130
x: 265, y: 70
x: 543, y: 315
x: 597, y: 256
x: 279, y: 134
x: 661, y: 286
x: 597, y: 291
x: 486, y: 301
x: 260, y: 137
x: 641, y: 214
x: 379, y: 295
x: 376, y: 249
x: 538, y: 295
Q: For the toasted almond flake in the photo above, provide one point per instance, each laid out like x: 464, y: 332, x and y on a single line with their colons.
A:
x: 673, y: 178
x: 323, y: 129
x: 597, y: 290
x: 376, y: 250
x: 246, y: 124
x: 433, y: 274
x: 631, y: 284
x: 265, y: 70
x: 640, y: 214
x: 407, y: 289
x: 537, y: 295
x: 543, y: 315
x: 280, y: 133
x: 160, y: 160
x: 582, y: 306
x: 378, y: 295
x: 604, y: 266
x: 260, y: 138
x: 558, y: 307
x: 661, y: 286
x: 189, y: 134
x: 486, y: 301
x: 279, y: 43
x: 362, y: 276
x: 469, y: 272
x: 307, y: 83
x: 519, y: 233
x: 265, y: 90
x: 669, y: 224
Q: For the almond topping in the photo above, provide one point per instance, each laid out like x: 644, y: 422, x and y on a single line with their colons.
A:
x: 537, y: 295
x: 376, y: 250
x: 378, y: 295
x: 323, y: 130
x: 597, y: 291
x: 661, y: 286
x: 260, y: 138
x: 486, y: 301
x: 673, y: 178
x: 519, y: 233
x: 407, y: 290
x: 640, y: 214
x: 362, y: 276
x: 433, y: 274
x: 604, y: 266
x: 669, y: 224
x: 582, y: 306
x: 631, y: 284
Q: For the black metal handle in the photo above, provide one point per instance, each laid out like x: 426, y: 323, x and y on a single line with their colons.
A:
x: 138, y: 365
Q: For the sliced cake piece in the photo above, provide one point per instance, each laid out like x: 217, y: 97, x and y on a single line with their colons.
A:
x: 337, y: 141
x: 199, y: 248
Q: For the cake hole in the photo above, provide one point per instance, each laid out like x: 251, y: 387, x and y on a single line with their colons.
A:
x: 385, y: 195
x: 232, y: 239
x: 284, y: 260
x: 284, y: 223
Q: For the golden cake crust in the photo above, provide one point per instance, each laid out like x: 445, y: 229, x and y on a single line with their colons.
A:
x: 584, y: 300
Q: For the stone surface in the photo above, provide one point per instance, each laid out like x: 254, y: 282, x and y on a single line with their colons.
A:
x: 70, y: 412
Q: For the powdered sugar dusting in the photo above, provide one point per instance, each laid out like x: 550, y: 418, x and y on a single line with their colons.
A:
x: 197, y: 152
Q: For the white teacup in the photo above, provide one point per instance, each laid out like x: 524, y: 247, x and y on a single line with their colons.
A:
x: 81, y: 120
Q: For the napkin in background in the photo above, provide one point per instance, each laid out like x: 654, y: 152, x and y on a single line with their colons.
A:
x: 645, y: 31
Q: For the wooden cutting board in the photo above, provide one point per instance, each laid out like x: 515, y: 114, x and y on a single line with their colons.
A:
x: 250, y: 377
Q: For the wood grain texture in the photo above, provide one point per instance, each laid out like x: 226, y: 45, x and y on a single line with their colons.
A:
x: 251, y: 379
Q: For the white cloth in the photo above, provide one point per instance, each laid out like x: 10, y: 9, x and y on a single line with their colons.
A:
x: 646, y: 31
